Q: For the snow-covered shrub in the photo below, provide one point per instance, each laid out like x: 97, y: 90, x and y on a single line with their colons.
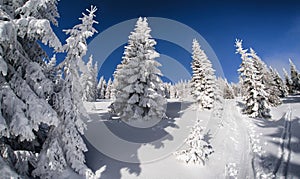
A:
x: 196, y: 150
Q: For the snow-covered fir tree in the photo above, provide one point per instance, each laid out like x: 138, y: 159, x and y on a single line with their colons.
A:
x: 88, y: 82
x: 50, y: 70
x: 182, y: 89
x: 295, y: 78
x: 139, y: 89
x: 228, y: 92
x: 101, y: 88
x: 196, y: 150
x: 237, y: 89
x: 203, y: 79
x: 94, y: 80
x: 64, y: 146
x: 113, y: 91
x: 251, y: 74
x: 25, y: 89
x: 278, y: 85
x: 172, y: 92
x: 108, y: 89
x: 272, y: 92
x: 287, y: 82
x: 167, y: 90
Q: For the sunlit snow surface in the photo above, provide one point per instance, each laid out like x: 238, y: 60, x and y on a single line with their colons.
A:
x: 243, y: 146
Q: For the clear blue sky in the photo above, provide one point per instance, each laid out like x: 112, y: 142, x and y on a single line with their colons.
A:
x: 271, y: 27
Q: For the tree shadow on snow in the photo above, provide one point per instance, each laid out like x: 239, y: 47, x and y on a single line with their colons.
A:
x: 275, y: 164
x: 155, y: 136
x: 271, y: 162
x: 96, y: 160
x: 291, y: 99
x: 240, y: 104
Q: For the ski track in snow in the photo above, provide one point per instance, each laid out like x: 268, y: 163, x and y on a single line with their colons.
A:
x: 282, y: 163
x: 235, y: 148
x: 274, y: 144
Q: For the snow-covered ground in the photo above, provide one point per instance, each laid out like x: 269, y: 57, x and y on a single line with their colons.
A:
x: 277, y: 141
x: 243, y: 147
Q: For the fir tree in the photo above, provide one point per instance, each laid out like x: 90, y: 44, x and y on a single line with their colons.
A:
x: 101, y: 88
x: 108, y: 89
x: 50, y: 68
x: 87, y: 80
x: 279, y: 87
x: 203, y: 79
x: 172, y: 92
x: 228, y: 92
x: 167, y: 90
x: 64, y: 146
x: 295, y: 77
x: 182, y: 89
x: 25, y: 89
x: 269, y: 86
x: 139, y: 88
x: 94, y: 80
x: 288, y: 82
x: 251, y: 75
x: 113, y: 91
x: 237, y: 89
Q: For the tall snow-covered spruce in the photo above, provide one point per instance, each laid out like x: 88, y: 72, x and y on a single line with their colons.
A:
x: 88, y: 80
x: 26, y: 113
x: 251, y: 76
x: 267, y: 80
x: 108, y: 89
x: 203, y: 87
x: 101, y: 87
x: 295, y: 78
x: 203, y: 79
x: 64, y: 146
x: 278, y: 86
x: 225, y: 87
x: 138, y: 87
x: 287, y: 82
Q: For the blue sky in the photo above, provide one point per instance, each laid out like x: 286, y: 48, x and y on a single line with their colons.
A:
x: 272, y: 28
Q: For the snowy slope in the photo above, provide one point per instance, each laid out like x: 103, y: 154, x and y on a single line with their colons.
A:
x: 243, y: 146
x: 276, y: 143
